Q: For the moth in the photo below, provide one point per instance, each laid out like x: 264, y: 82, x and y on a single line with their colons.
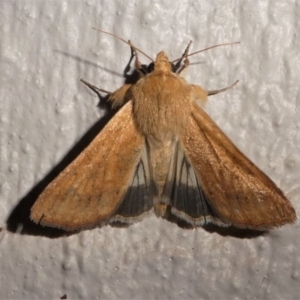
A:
x: 161, y: 152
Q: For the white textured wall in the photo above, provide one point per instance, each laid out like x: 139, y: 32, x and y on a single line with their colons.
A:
x: 47, y: 46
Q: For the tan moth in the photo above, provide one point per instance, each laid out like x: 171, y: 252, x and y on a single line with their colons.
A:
x: 161, y: 152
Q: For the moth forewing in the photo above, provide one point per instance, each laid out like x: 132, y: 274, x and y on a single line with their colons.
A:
x: 92, y: 187
x: 236, y: 190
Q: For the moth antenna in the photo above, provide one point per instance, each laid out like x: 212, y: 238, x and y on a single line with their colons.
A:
x: 126, y: 42
x: 94, y: 88
x: 208, y: 48
x: 214, y: 92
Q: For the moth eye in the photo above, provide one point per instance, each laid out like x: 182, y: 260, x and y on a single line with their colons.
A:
x: 150, y: 68
x: 173, y: 67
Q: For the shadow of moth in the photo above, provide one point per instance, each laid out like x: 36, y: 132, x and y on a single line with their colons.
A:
x: 162, y: 152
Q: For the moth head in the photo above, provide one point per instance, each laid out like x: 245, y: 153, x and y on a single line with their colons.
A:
x: 161, y: 63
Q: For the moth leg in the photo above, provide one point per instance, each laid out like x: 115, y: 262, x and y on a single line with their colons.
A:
x: 117, y: 98
x: 120, y: 96
x: 199, y: 95
x: 94, y: 88
x: 214, y: 92
x: 178, y: 67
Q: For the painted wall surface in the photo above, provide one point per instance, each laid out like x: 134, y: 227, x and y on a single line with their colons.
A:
x: 47, y: 117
